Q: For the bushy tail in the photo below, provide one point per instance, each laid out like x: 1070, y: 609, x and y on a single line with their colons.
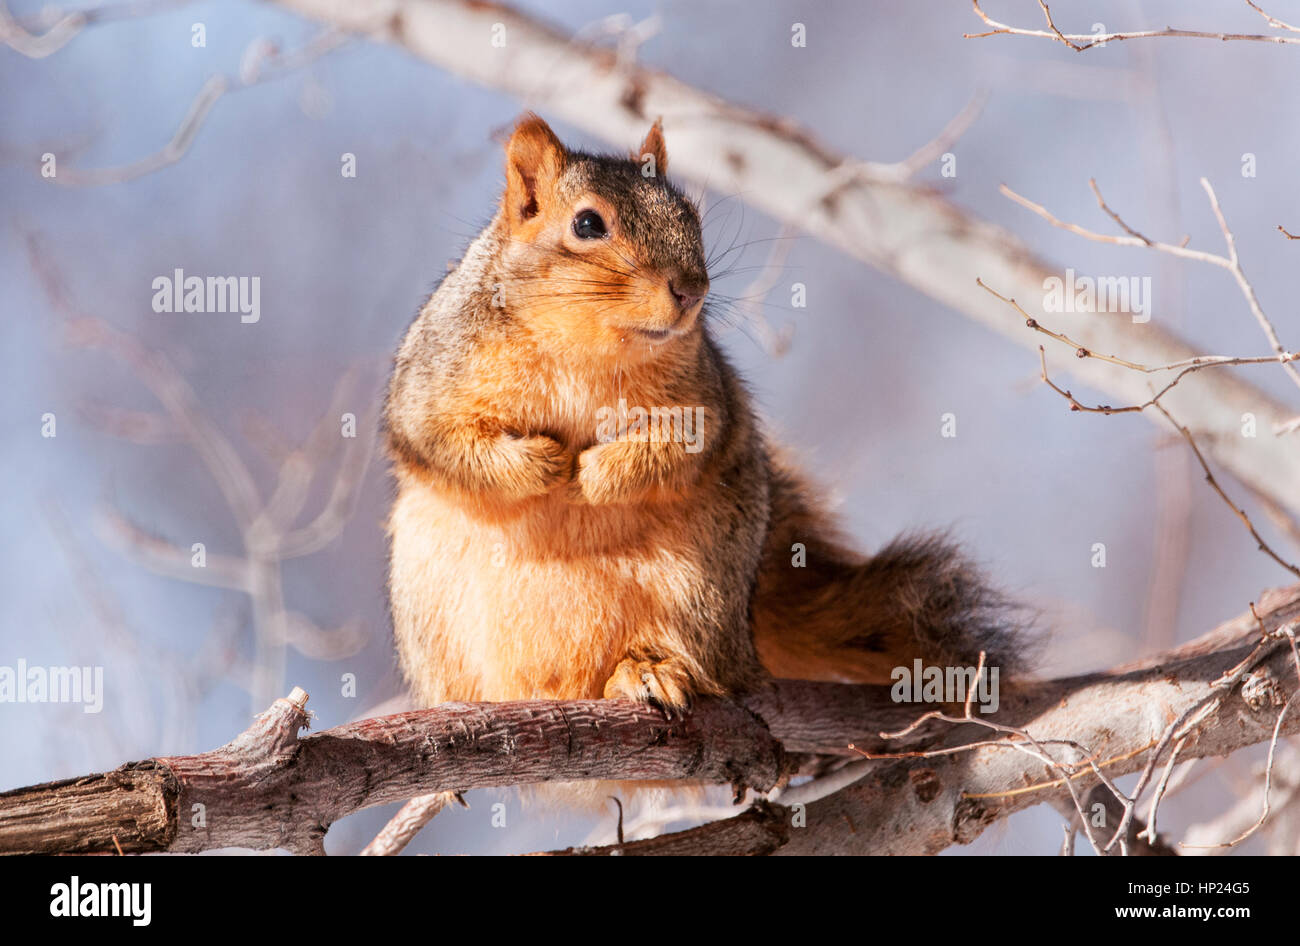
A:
x: 825, y: 612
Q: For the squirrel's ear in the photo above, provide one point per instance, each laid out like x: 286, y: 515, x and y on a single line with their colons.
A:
x: 653, y: 146
x: 534, y: 160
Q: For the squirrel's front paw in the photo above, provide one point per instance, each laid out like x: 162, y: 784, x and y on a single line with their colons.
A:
x: 664, y: 683
x: 607, y: 473
x: 538, y: 464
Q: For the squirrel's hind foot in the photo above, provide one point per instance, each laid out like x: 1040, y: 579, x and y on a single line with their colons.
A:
x: 664, y: 683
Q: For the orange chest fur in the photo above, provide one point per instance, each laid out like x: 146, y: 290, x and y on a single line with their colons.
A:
x: 563, y: 398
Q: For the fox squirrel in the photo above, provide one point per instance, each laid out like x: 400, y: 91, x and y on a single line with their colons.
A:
x: 550, y: 541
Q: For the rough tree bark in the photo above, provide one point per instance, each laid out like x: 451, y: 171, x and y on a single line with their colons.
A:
x: 923, y: 805
x: 268, y: 788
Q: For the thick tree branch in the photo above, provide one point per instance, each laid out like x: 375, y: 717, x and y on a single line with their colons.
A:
x: 268, y: 788
x: 924, y: 805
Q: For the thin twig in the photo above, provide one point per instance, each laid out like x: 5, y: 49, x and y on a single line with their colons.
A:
x: 58, y: 34
x: 1214, y: 483
x: 1080, y: 42
x: 1231, y: 262
x: 408, y: 822
x: 262, y: 63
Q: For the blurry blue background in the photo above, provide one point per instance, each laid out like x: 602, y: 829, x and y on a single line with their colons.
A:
x: 344, y: 263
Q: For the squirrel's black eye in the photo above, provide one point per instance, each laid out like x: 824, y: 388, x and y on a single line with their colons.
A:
x: 588, y: 225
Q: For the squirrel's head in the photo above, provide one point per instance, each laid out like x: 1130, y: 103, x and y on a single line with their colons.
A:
x: 603, y: 254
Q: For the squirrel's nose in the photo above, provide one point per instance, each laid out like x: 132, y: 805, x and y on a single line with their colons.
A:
x: 687, y: 294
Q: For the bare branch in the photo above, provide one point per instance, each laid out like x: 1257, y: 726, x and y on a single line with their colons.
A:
x: 59, y: 33
x: 1080, y: 42
x: 270, y: 789
x: 1193, y: 364
x: 955, y: 802
x: 1214, y: 484
x: 1281, y: 778
x: 408, y: 822
x: 164, y: 558
x: 262, y: 62
x: 1272, y: 20
x: 1231, y: 262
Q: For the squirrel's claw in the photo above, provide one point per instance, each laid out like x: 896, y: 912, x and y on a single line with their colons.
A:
x: 664, y: 684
